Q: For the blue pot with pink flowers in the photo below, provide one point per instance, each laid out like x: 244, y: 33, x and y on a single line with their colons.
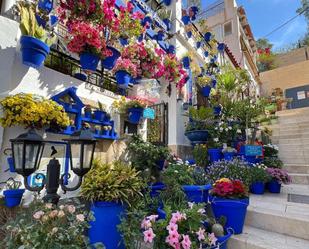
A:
x: 89, y: 61
x: 110, y: 61
x: 185, y: 20
x: 123, y: 78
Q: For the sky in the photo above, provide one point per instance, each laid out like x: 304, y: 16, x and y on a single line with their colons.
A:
x: 266, y: 15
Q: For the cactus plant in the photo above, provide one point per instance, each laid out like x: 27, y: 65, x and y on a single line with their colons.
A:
x: 216, y: 227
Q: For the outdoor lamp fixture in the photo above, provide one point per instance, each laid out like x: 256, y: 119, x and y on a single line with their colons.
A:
x: 27, y: 152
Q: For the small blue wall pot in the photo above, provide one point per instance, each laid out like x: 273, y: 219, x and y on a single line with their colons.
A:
x: 11, y: 164
x: 12, y: 197
x: 167, y: 2
x: 171, y: 49
x: 274, y: 186
x: 104, y: 228
x: 99, y: 115
x: 160, y: 36
x: 89, y: 62
x: 33, y: 50
x: 206, y: 90
x: 215, y: 154
x: 80, y: 76
x: 197, y: 136
x: 189, y: 34
x: 185, y: 20
x: 46, y: 5
x: 147, y: 19
x: 228, y: 156
x: 135, y: 114
x: 206, y: 53
x: 234, y: 210
x: 207, y: 36
x: 168, y: 24
x: 196, y: 193
x: 88, y: 114
x: 186, y: 62
x: 257, y: 188
x: 123, y: 78
x: 110, y: 61
x: 198, y: 44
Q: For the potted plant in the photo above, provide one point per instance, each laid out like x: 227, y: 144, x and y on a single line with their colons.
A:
x: 49, y: 226
x: 279, y: 176
x: 99, y: 114
x: 109, y: 187
x: 109, y: 61
x: 71, y: 127
x: 207, y: 36
x: 204, y: 82
x: 230, y: 200
x: 97, y: 129
x: 165, y: 16
x: 105, y: 130
x: 259, y: 177
x: 229, y: 153
x: 13, y: 193
x: 88, y: 111
x: 35, y: 40
x: 214, y: 144
x: 200, y: 155
x: 198, y: 43
x: 135, y: 109
x: 124, y: 71
x: 185, y: 17
x: 199, y: 120
x: 147, y: 21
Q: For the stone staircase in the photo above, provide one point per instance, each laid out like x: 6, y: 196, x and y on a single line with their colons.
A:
x: 282, y: 221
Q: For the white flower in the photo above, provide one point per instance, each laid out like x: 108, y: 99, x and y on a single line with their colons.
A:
x: 191, y: 204
x: 54, y: 230
x: 71, y: 209
x: 230, y: 128
x: 221, y: 129
x: 38, y: 215
x: 226, y: 129
x: 80, y: 217
x: 238, y: 131
x: 216, y: 139
x: 49, y: 205
x: 61, y: 214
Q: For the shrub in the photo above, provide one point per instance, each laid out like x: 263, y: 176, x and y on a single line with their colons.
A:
x: 270, y: 150
x: 279, y: 175
x: 258, y: 173
x: 273, y: 162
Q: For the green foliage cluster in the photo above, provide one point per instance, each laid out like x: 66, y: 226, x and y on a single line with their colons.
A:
x: 273, y: 162
x: 259, y: 174
x: 200, y: 155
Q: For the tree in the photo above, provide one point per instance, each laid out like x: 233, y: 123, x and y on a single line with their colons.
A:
x: 304, y: 9
x: 263, y: 43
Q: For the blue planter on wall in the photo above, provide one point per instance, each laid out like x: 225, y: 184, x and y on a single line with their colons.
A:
x: 12, y: 197
x: 99, y: 115
x: 197, y: 136
x: 186, y: 62
x: 198, y: 44
x: 135, y: 114
x: 257, y: 188
x: 168, y: 24
x: 207, y: 36
x: 88, y: 114
x: 123, y: 78
x: 89, y: 62
x: 206, y: 90
x: 196, y: 193
x: 185, y: 20
x: 274, y: 186
x: 80, y: 76
x: 206, y: 53
x: 171, y: 49
x: 104, y: 228
x: 160, y: 36
x: 167, y: 2
x: 228, y: 156
x: 147, y: 19
x: 189, y: 34
x: 234, y: 210
x: 215, y: 154
x: 109, y: 62
x: 46, y: 5
x: 33, y: 50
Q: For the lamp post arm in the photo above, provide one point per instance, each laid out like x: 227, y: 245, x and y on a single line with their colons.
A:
x: 65, y: 188
x: 38, y: 176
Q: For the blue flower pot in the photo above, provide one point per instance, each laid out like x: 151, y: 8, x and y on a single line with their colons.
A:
x: 253, y: 159
x: 156, y: 188
x: 99, y: 115
x: 214, y: 154
x: 217, y: 110
x: 123, y: 78
x: 234, y: 210
x: 11, y: 164
x: 228, y: 156
x: 89, y: 62
x: 207, y: 36
x: 189, y: 34
x: 147, y: 19
x: 194, y: 9
x: 159, y: 36
x: 40, y: 21
x: 168, y: 24
x: 33, y: 50
x: 213, y: 83
x: 123, y: 41
x: 171, y: 49
x: 197, y: 136
x: 109, y: 62
x: 206, y: 90
x: 186, y: 62
x: 135, y: 114
x: 274, y: 186
x: 88, y: 114
x: 198, y: 44
x: 215, y: 198
x: 46, y: 5
x: 12, y: 197
x: 222, y: 241
x: 185, y: 20
x: 206, y: 53
x: 104, y: 228
x: 160, y: 164
x: 80, y: 76
x: 197, y: 194
x: 161, y: 213
x: 257, y: 188
x: 53, y: 20
x: 167, y: 2
x: 221, y: 47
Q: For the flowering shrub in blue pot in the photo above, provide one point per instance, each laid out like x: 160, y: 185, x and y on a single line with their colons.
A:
x: 230, y: 204
x: 197, y: 136
x: 13, y: 194
x: 229, y: 153
x: 124, y: 71
x: 89, y: 61
x: 109, y: 187
x: 278, y: 177
x: 110, y: 61
x: 259, y: 177
x: 186, y: 62
x: 204, y: 82
x: 35, y: 40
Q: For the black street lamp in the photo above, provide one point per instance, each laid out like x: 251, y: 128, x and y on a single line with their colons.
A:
x: 27, y: 152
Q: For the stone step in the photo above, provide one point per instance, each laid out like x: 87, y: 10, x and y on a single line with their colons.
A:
x: 254, y: 238
x: 294, y: 135
x: 298, y: 178
x: 291, y: 141
x: 294, y: 160
x: 297, y: 168
x: 289, y: 147
x: 300, y: 189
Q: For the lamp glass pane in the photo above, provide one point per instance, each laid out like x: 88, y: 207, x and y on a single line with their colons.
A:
x: 18, y: 154
x: 76, y: 153
x: 88, y: 148
x: 31, y: 155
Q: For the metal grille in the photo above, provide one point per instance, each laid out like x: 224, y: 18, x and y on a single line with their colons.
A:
x: 157, y: 129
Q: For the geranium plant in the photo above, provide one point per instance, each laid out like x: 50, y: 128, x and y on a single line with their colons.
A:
x: 180, y: 229
x: 279, y: 175
x: 32, y: 111
x: 231, y: 189
x: 126, y: 65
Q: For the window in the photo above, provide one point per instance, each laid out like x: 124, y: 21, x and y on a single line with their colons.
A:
x: 217, y: 30
x: 228, y: 28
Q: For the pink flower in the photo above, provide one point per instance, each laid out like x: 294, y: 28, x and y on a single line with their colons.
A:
x: 212, y: 238
x: 37, y: 215
x: 152, y: 218
x: 172, y: 227
x: 146, y: 224
x: 186, y: 242
x: 149, y: 235
x: 71, y: 209
x: 61, y: 214
x: 201, y: 234
x: 172, y: 238
x: 53, y: 214
x: 80, y: 217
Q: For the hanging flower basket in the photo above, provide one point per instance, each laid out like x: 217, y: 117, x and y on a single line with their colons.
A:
x: 206, y: 90
x: 197, y: 136
x: 207, y: 36
x: 123, y: 78
x: 186, y: 62
x: 12, y: 197
x: 167, y: 2
x: 89, y: 62
x: 135, y: 115
x: 34, y: 51
x: 215, y: 154
x: 104, y: 228
x: 185, y: 20
x: 196, y: 193
x: 46, y: 5
x: 257, y: 188
x: 110, y: 61
x: 123, y: 41
x: 168, y: 24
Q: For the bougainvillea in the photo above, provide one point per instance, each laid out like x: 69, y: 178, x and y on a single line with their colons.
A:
x: 126, y: 65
